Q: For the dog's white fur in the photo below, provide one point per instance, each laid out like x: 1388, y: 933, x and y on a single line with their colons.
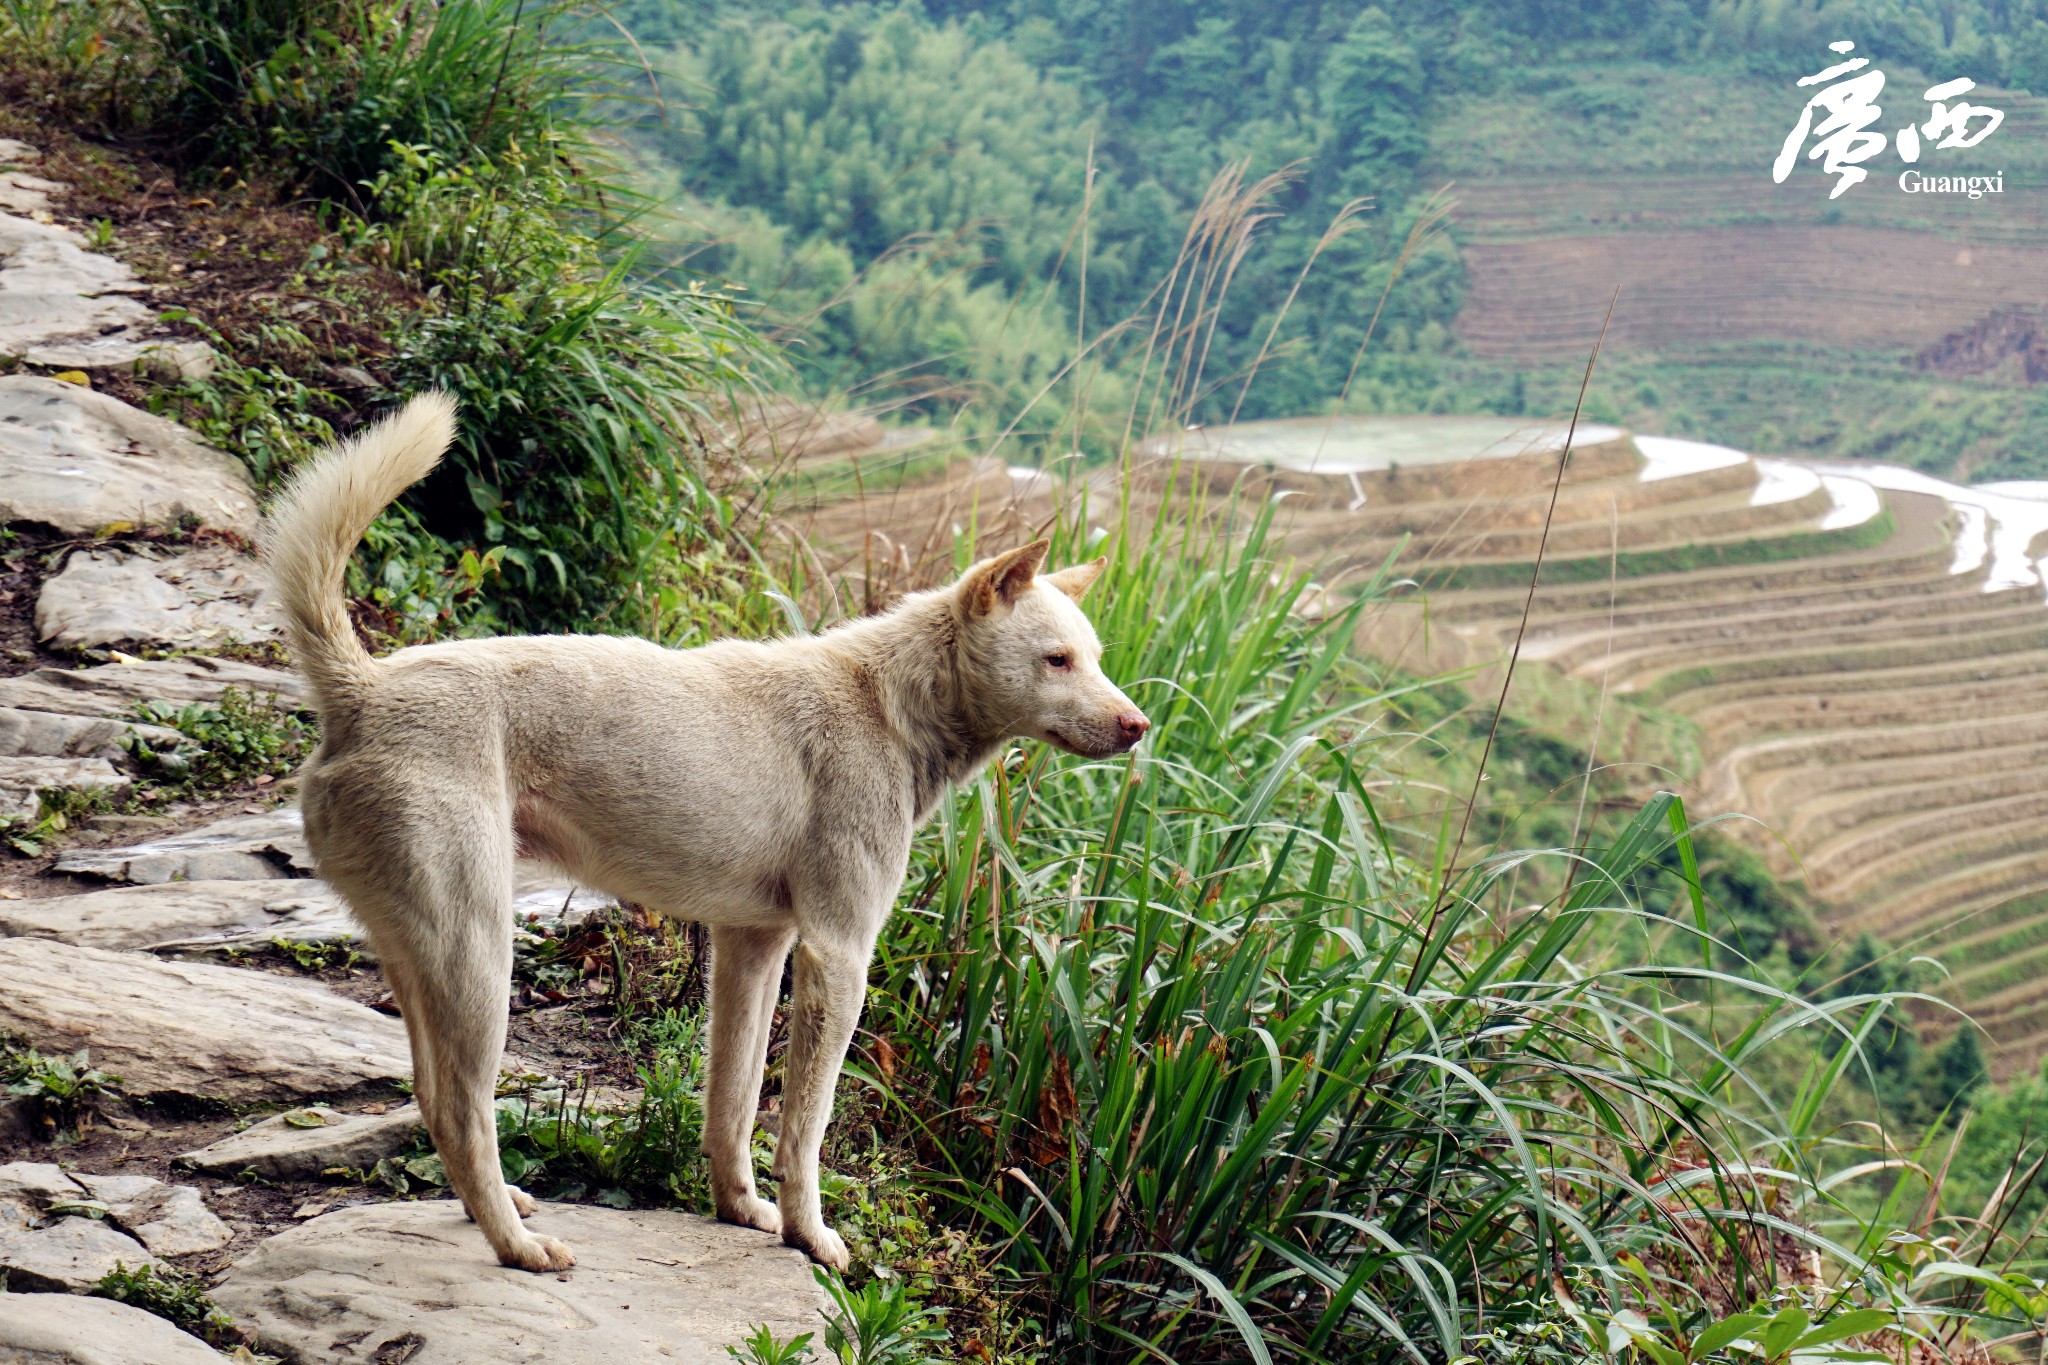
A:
x: 769, y: 790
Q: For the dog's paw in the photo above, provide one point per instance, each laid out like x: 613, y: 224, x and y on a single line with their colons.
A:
x: 823, y: 1245
x: 751, y: 1211
x: 538, y: 1254
x: 522, y: 1201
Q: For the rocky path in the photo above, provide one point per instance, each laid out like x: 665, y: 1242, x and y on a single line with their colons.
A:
x: 248, y: 1091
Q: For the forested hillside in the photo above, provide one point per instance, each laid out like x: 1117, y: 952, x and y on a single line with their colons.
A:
x: 965, y: 208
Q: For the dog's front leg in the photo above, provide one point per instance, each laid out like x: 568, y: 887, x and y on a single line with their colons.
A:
x: 829, y: 978
x: 746, y: 974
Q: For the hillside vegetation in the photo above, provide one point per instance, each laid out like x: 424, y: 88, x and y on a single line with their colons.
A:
x: 932, y: 196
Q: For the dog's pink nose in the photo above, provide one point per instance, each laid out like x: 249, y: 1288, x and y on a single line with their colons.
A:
x: 1131, y: 727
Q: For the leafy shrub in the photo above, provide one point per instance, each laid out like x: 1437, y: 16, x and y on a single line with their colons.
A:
x: 172, y: 1295
x: 321, y: 90
x: 243, y: 737
x: 63, y: 1089
x: 878, y: 1323
x: 57, y: 809
x: 317, y: 955
x: 762, y: 1348
x: 579, y: 461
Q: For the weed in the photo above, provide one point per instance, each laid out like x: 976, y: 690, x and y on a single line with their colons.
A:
x: 645, y: 967
x: 879, y: 1323
x: 57, y: 810
x: 1226, y: 1068
x: 558, y: 1145
x: 761, y: 1348
x: 174, y: 1296
x: 66, y: 55
x: 63, y: 1089
x: 320, y: 955
x: 242, y: 738
x: 257, y: 400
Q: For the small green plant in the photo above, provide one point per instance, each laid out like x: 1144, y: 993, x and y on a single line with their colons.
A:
x: 64, y: 1089
x: 243, y: 737
x: 174, y: 1296
x: 557, y: 1144
x: 879, y: 1323
x: 257, y: 400
x: 57, y: 810
x: 318, y: 955
x: 546, y: 960
x: 762, y: 1348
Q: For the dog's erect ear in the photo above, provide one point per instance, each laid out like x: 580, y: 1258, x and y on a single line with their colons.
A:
x: 1076, y: 579
x: 1003, y: 579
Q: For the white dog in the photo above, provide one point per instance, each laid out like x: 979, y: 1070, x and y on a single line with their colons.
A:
x: 769, y: 790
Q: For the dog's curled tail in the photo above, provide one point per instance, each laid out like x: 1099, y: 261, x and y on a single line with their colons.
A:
x: 314, y: 527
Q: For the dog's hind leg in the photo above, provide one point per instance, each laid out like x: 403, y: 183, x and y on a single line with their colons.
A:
x: 398, y: 969
x: 398, y: 974
x: 461, y: 972
x: 830, y: 980
x: 746, y: 973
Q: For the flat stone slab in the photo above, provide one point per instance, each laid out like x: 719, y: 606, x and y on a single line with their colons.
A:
x: 62, y: 1329
x: 132, y: 350
x: 201, y: 599
x: 195, y: 1029
x: 28, y: 1190
x: 24, y: 192
x: 68, y: 1256
x: 269, y: 846
x: 49, y: 734
x: 22, y: 777
x: 242, y: 848
x: 170, y: 1220
x: 415, y: 1282
x: 80, y: 461
x: 304, y: 1142
x: 112, y: 690
x: 186, y: 916
x: 51, y: 287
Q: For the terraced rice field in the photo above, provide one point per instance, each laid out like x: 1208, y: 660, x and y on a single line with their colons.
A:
x: 1873, y: 288
x: 1879, y: 708
x: 1862, y: 650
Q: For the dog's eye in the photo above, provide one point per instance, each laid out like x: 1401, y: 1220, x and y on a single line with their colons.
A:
x: 1060, y: 661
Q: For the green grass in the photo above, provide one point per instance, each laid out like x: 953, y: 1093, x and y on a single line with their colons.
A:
x: 1231, y: 1069
x: 1677, y: 559
x: 175, y: 1296
x: 325, y: 92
